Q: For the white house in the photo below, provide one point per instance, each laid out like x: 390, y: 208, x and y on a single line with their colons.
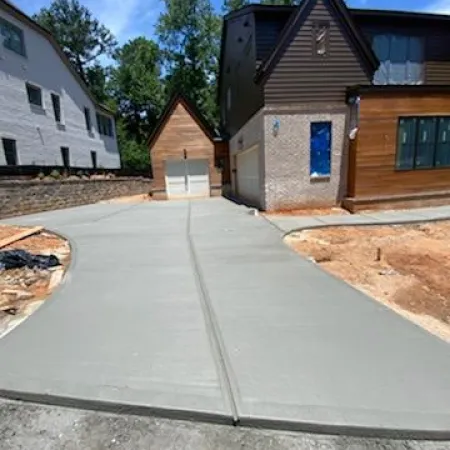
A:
x: 48, y: 117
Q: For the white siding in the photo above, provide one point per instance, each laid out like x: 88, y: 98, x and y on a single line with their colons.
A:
x: 38, y: 136
x: 248, y: 183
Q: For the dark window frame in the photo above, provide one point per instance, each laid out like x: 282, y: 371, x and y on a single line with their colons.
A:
x: 87, y: 118
x: 30, y: 87
x: 7, y: 154
x: 317, y: 25
x: 94, y: 159
x: 4, y: 26
x: 56, y: 111
x: 416, y: 143
x: 65, y: 155
x: 105, y: 125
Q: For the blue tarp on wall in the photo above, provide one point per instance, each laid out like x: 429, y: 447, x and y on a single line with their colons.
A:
x: 320, y: 149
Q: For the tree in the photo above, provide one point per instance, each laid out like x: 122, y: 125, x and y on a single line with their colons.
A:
x: 233, y: 5
x: 82, y: 37
x: 280, y: 2
x: 189, y: 32
x: 137, y: 87
x: 138, y: 91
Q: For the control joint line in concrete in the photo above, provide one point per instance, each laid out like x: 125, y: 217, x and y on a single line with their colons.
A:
x: 212, y: 327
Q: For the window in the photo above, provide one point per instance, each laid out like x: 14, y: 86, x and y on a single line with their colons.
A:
x: 423, y: 143
x: 65, y: 156
x: 321, y: 32
x: 401, y: 59
x: 34, y: 95
x: 94, y: 159
x: 56, y: 102
x: 13, y: 37
x: 87, y: 118
x: 10, y: 150
x: 320, y: 149
x: 105, y: 126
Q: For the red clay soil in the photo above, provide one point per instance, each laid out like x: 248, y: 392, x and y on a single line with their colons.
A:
x: 406, y: 267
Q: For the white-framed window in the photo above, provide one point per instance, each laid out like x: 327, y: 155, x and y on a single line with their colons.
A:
x: 13, y: 38
x: 34, y: 95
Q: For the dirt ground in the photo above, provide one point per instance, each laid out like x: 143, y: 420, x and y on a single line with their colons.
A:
x: 310, y: 212
x: 23, y: 290
x: 406, y: 267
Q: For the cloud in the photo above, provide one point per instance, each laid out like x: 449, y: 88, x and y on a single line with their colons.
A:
x: 126, y: 18
x: 439, y: 7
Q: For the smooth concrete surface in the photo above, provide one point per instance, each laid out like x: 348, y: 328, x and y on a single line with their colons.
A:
x: 289, y: 224
x: 199, y: 307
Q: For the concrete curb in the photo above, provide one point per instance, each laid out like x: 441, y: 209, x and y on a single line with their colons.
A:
x: 369, y: 222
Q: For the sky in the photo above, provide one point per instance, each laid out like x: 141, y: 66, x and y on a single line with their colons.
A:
x: 128, y: 19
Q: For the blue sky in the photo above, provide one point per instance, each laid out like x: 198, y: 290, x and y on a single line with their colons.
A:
x: 130, y: 18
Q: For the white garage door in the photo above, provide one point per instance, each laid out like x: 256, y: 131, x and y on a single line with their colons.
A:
x: 187, y: 178
x: 248, y: 175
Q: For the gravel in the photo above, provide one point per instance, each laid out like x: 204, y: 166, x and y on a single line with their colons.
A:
x: 29, y: 426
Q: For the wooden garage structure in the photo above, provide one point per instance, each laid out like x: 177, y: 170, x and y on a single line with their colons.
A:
x: 188, y: 158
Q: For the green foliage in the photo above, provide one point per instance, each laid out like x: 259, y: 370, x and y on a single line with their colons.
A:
x: 233, y: 5
x: 136, y: 86
x: 280, y: 2
x: 134, y: 155
x: 189, y: 33
x: 80, y: 35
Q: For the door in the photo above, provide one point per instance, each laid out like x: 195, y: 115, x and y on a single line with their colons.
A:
x: 187, y: 178
x: 198, y: 177
x: 247, y: 175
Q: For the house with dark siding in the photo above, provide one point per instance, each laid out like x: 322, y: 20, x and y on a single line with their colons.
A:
x: 327, y: 105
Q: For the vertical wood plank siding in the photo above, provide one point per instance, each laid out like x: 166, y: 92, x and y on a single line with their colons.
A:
x: 301, y: 77
x: 181, y: 132
x: 374, y: 166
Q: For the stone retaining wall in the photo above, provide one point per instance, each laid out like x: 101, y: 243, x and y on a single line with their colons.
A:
x: 26, y: 197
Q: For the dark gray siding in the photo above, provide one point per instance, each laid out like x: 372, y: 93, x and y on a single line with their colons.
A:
x: 437, y: 56
x: 238, y: 71
x: 436, y: 36
x: 300, y: 77
x: 268, y: 30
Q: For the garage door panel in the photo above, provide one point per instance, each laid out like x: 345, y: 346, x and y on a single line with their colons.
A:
x: 175, y: 178
x: 198, y: 177
x: 187, y: 178
x: 248, y: 184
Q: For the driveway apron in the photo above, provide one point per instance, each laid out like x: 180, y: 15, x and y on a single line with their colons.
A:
x: 199, y: 309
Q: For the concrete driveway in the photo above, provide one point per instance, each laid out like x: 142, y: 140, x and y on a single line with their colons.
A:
x: 198, y: 310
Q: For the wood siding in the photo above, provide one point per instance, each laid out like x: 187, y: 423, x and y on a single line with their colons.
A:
x: 238, y: 71
x: 301, y: 77
x: 437, y: 56
x: 181, y: 133
x: 374, y: 159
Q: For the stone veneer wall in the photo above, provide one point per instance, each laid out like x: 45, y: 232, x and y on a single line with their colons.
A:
x: 26, y: 197
x: 287, y: 179
x: 250, y: 135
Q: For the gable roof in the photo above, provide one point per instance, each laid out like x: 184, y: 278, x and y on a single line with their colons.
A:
x: 362, y: 47
x: 10, y: 8
x: 192, y: 109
